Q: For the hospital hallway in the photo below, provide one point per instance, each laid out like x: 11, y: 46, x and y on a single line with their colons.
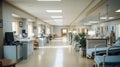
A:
x: 58, y: 53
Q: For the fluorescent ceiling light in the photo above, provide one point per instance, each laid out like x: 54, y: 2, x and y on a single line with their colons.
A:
x: 103, y: 17
x: 56, y: 16
x: 15, y: 15
x: 106, y: 18
x: 87, y: 23
x: 48, y: 20
x: 29, y: 20
x: 117, y: 10
x: 58, y: 20
x: 48, y: 0
x: 59, y: 23
x: 54, y: 11
x: 93, y: 21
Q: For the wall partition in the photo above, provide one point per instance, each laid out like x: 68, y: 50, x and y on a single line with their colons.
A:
x: 1, y: 29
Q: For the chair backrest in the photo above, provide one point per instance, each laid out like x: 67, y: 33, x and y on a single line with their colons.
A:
x: 0, y: 64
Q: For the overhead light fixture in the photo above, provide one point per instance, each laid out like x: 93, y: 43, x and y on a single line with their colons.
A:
x: 48, y: 0
x: 103, y: 17
x: 117, y: 10
x: 106, y: 17
x: 15, y: 15
x: 58, y: 20
x: 29, y: 20
x: 93, y: 22
x: 48, y: 20
x: 87, y: 23
x: 56, y: 16
x: 54, y: 11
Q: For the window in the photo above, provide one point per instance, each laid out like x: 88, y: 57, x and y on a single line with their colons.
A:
x: 15, y: 28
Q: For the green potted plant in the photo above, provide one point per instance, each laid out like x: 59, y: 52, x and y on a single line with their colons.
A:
x: 83, y: 43
x: 76, y: 42
x: 76, y: 38
x: 70, y: 37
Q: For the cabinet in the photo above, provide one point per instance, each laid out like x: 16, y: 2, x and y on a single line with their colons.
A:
x: 91, y: 42
x: 28, y: 47
x: 13, y: 52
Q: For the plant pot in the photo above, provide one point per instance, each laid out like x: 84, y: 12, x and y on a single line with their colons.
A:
x: 83, y: 52
x: 77, y: 48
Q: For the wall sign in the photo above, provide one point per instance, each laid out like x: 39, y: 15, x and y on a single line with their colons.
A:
x: 20, y: 24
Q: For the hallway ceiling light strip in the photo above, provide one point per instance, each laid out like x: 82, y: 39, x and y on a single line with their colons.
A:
x: 48, y: 0
x: 54, y: 11
x: 58, y: 20
x: 15, y: 15
x: 93, y: 21
x: 56, y: 16
x: 104, y: 18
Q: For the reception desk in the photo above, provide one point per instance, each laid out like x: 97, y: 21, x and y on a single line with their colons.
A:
x: 13, y: 52
x: 28, y: 47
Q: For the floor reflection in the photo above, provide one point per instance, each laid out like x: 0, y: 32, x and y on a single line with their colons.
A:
x: 58, y: 54
x: 59, y: 58
x: 55, y: 47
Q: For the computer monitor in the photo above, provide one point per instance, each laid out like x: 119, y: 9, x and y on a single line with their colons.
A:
x: 9, y: 37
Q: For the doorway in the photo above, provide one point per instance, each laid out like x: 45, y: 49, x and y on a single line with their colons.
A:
x: 64, y: 32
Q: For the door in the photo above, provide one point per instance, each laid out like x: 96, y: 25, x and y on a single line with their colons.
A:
x: 64, y: 32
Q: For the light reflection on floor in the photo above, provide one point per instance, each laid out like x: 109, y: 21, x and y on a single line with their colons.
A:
x: 58, y: 54
x: 55, y: 47
x: 64, y: 39
x: 59, y: 58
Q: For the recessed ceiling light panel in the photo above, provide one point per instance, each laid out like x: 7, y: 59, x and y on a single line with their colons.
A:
x: 15, y: 15
x: 104, y: 18
x: 56, y: 16
x: 29, y: 20
x: 54, y: 11
x: 58, y: 20
x: 93, y: 21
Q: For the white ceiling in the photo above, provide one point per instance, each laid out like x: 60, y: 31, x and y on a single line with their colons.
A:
x: 71, y: 9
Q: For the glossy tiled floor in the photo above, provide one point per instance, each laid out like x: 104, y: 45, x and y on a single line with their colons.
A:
x: 57, y: 54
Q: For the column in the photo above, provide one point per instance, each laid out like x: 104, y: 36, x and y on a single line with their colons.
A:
x: 1, y: 29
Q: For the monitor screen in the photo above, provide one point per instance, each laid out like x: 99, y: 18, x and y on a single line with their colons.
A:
x: 9, y: 37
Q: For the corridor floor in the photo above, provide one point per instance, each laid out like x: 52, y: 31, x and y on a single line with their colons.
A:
x: 58, y: 53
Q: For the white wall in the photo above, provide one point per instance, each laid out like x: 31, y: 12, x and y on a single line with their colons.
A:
x: 8, y: 18
x: 108, y: 25
x: 57, y: 30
